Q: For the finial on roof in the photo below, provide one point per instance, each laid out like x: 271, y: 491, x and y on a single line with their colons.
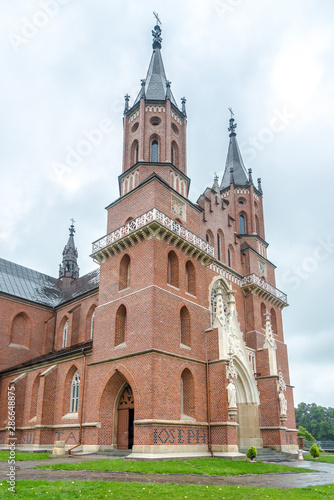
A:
x: 215, y: 185
x: 250, y: 177
x: 259, y: 187
x: 126, y: 106
x: 72, y: 229
x: 233, y: 125
x: 183, y: 102
x: 156, y: 33
x: 168, y: 91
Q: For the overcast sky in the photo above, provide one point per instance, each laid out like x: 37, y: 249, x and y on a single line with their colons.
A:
x: 65, y: 68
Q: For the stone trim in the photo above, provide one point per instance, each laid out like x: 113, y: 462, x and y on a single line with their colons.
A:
x: 149, y: 351
x: 159, y: 288
x: 60, y: 426
x: 191, y: 423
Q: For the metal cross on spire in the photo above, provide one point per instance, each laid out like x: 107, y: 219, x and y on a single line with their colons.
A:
x: 233, y: 125
x: 156, y: 15
x: 72, y: 230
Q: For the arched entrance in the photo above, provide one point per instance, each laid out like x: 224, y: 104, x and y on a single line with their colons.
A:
x: 125, y: 417
x: 248, y: 431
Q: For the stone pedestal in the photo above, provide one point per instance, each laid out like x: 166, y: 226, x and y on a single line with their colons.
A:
x: 59, y: 448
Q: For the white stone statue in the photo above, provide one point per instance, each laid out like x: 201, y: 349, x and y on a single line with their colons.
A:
x: 282, y: 403
x: 231, y: 394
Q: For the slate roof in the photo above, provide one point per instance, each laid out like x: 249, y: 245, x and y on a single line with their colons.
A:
x: 234, y: 159
x: 27, y: 284
x: 156, y: 81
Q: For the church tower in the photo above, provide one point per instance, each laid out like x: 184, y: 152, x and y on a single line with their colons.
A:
x: 188, y: 328
x: 155, y: 130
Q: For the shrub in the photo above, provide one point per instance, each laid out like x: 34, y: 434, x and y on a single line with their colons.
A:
x: 251, y: 452
x: 314, y: 451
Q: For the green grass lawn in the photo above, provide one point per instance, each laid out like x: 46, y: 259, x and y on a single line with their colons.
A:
x: 209, y: 466
x: 59, y: 490
x: 24, y: 455
x: 324, y: 457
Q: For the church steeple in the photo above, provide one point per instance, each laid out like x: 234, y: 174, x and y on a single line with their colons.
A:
x: 156, y: 87
x: 234, y: 161
x: 155, y: 129
x: 69, y: 269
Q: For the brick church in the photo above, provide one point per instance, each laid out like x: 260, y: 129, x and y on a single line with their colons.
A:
x: 174, y: 345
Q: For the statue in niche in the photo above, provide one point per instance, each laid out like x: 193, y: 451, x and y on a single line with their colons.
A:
x: 282, y: 403
x: 231, y: 394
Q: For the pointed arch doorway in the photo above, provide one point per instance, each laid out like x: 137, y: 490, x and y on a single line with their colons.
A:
x: 125, y: 418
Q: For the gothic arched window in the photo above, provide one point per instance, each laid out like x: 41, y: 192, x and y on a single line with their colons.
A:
x: 34, y: 397
x: 92, y: 325
x: 273, y: 320
x: 230, y: 256
x: 120, y: 326
x: 65, y: 334
x: 124, y: 272
x: 20, y: 330
x: 190, y: 278
x: 173, y: 269
x: 155, y: 151
x: 175, y: 154
x: 187, y: 394
x: 242, y: 224
x: 263, y: 315
x: 75, y: 386
x: 185, y: 326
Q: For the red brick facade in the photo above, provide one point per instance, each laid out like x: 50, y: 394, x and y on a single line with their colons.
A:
x: 186, y: 303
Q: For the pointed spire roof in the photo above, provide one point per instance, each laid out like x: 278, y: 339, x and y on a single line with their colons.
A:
x: 156, y: 87
x: 234, y: 162
x: 69, y: 267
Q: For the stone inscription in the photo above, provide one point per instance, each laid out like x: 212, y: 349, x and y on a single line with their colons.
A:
x: 179, y: 436
x: 70, y: 439
x: 29, y: 437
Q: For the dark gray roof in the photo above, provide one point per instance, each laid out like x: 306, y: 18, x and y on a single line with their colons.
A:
x: 81, y: 286
x: 235, y: 161
x: 27, y: 284
x: 156, y: 81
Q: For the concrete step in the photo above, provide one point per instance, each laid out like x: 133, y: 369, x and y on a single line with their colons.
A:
x: 271, y: 455
x: 114, y: 453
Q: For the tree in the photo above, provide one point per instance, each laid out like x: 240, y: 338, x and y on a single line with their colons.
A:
x: 302, y: 432
x: 318, y: 420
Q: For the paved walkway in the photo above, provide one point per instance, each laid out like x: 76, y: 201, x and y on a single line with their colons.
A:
x: 25, y: 470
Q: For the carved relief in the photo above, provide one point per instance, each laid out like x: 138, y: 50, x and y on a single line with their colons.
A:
x: 270, y: 344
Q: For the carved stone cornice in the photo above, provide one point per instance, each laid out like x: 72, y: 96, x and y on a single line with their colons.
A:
x: 152, y: 224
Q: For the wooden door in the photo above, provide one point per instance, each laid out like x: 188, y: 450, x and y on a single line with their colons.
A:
x: 125, y: 419
x: 123, y: 429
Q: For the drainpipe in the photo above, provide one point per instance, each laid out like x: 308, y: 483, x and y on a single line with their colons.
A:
x: 82, y: 404
x: 208, y: 405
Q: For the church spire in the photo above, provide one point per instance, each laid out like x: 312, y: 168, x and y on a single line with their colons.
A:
x: 69, y: 268
x: 234, y: 160
x: 156, y: 87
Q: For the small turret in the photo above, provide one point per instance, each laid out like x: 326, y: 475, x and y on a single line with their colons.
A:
x: 234, y: 161
x: 69, y: 269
